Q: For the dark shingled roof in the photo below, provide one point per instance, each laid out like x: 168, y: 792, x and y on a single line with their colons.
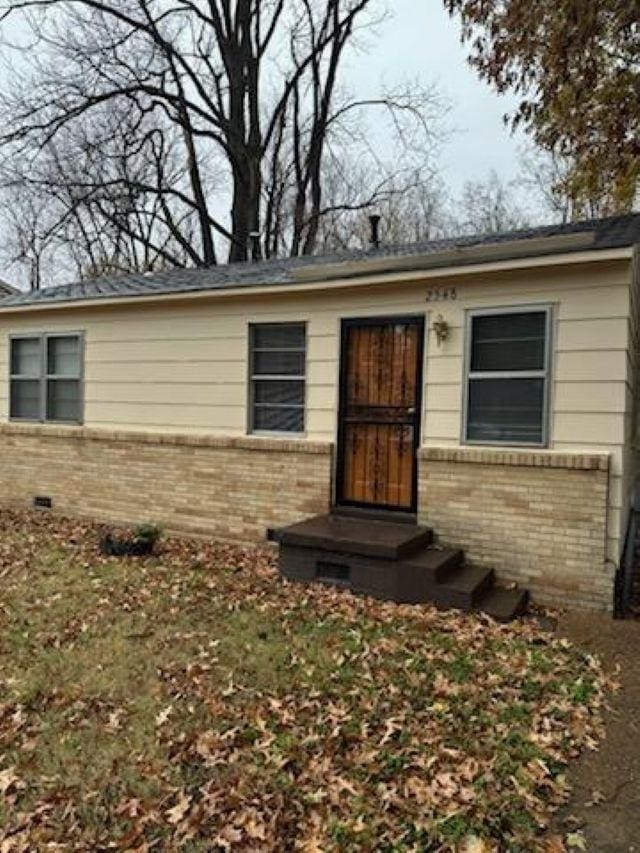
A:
x: 611, y: 233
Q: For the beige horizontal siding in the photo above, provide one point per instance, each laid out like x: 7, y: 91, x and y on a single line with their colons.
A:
x: 591, y: 335
x: 441, y: 426
x: 111, y: 392
x: 178, y: 365
x: 164, y: 414
x: 588, y: 426
x: 603, y: 396
x: 591, y: 365
x: 443, y: 398
x: 631, y: 454
x: 444, y: 370
x: 179, y: 368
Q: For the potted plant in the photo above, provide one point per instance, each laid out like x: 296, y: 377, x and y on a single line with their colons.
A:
x: 140, y: 542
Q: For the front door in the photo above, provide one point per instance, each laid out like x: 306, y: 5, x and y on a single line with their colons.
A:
x: 379, y: 420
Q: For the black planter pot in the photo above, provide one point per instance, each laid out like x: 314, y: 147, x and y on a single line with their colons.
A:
x: 115, y: 546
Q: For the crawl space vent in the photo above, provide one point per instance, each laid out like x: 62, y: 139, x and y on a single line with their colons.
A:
x: 333, y: 572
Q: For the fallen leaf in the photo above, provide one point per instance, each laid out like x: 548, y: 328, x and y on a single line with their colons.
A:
x: 164, y: 715
x: 597, y: 797
x: 474, y: 844
x: 8, y: 780
x: 576, y: 841
x: 177, y: 813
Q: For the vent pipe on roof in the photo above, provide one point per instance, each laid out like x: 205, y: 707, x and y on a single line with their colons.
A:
x: 374, y: 221
x: 254, y: 239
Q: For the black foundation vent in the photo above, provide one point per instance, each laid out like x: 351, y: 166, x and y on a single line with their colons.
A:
x: 337, y: 573
x: 42, y: 502
x: 273, y: 534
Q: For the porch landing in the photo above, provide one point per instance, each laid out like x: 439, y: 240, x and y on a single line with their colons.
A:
x: 392, y: 560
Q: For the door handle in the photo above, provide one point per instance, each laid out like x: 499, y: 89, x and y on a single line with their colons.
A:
x: 411, y: 411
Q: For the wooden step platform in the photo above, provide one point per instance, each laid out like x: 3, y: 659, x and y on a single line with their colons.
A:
x: 392, y: 561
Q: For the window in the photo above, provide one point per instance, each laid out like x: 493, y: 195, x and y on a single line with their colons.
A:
x: 277, y: 370
x: 45, y: 378
x: 508, y: 371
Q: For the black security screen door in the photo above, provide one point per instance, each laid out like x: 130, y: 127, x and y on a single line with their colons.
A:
x: 381, y: 375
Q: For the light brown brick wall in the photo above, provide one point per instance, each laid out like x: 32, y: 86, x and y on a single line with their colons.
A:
x: 538, y: 518
x: 225, y: 487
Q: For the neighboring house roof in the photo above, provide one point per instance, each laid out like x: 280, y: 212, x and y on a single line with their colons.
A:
x: 596, y: 234
x: 5, y: 287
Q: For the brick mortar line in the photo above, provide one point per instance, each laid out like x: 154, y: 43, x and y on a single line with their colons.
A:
x: 265, y: 444
x: 517, y: 458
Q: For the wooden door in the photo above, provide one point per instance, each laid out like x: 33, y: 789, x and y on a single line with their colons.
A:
x: 380, y: 401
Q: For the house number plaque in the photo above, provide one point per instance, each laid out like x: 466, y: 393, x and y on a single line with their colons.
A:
x: 441, y: 294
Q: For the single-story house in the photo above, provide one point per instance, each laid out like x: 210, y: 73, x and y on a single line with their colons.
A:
x: 486, y: 386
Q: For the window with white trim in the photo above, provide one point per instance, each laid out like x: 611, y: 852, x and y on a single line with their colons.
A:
x: 507, y: 377
x: 277, y: 358
x: 45, y: 381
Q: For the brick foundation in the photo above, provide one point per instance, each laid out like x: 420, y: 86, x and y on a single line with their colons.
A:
x: 538, y: 518
x: 220, y: 486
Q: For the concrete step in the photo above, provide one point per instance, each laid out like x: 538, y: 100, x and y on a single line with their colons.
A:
x: 362, y: 537
x: 436, y: 563
x: 504, y: 604
x: 464, y: 588
x: 392, y: 561
x: 375, y: 514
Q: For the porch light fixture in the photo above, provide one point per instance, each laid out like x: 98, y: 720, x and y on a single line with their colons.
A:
x: 441, y: 329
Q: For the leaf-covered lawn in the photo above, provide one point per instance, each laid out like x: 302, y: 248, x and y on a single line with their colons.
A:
x: 194, y: 701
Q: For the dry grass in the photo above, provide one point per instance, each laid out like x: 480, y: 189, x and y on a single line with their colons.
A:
x: 193, y: 701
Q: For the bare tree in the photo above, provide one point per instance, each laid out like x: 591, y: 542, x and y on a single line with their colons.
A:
x: 544, y: 175
x: 227, y: 102
x: 105, y: 189
x: 30, y: 232
x: 551, y: 178
x: 412, y: 210
x: 488, y: 206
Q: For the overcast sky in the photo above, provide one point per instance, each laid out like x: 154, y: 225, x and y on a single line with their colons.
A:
x: 419, y: 40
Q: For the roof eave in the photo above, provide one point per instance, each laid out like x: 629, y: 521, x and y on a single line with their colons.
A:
x: 455, y: 256
x: 423, y: 268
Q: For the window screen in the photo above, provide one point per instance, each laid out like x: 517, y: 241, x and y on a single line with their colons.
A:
x: 277, y: 369
x: 26, y: 366
x: 507, y: 377
x: 45, y: 379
